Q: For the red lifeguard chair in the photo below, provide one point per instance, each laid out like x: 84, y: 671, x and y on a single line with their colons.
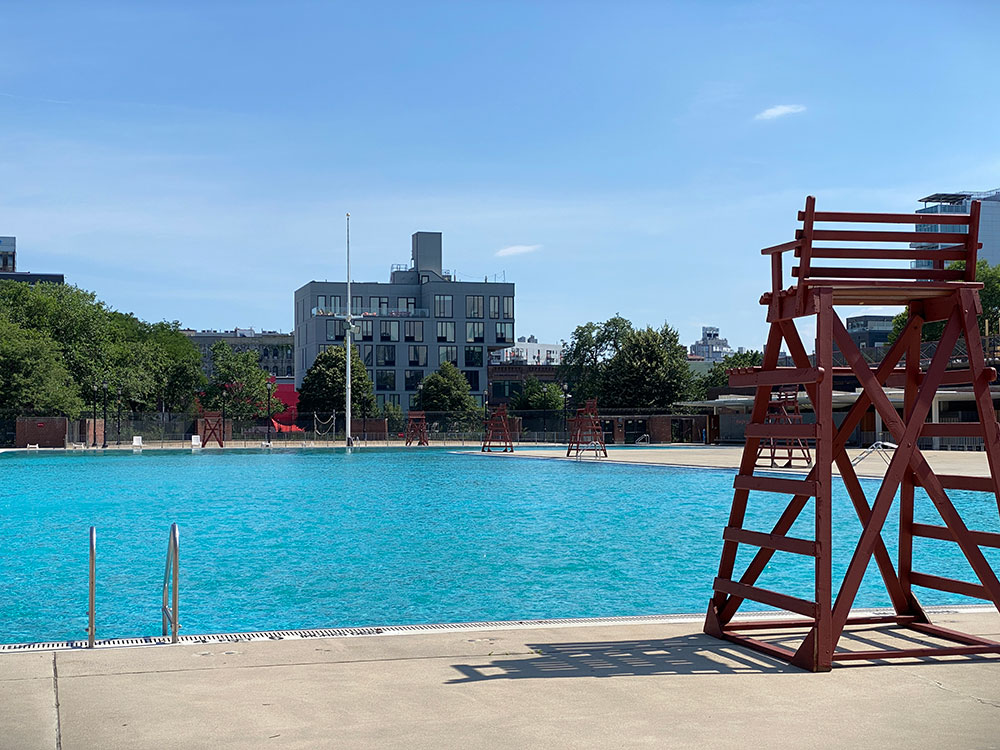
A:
x: 497, y: 433
x: 929, y: 294
x: 212, y: 425
x: 783, y: 408
x: 416, y: 428
x: 586, y: 432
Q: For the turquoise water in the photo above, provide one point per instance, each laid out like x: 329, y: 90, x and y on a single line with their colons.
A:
x: 302, y: 539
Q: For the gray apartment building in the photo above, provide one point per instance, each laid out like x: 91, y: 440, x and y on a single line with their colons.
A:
x: 8, y: 266
x: 959, y: 203
x: 410, y: 325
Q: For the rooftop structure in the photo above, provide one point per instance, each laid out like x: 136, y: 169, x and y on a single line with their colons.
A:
x: 410, y: 325
x: 959, y: 203
x: 711, y: 347
x: 8, y: 266
x: 869, y: 331
x: 527, y: 351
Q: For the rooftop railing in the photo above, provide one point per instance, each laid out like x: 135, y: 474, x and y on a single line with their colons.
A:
x: 370, y: 312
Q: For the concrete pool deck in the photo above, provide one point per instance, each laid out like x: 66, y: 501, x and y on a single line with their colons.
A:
x: 591, y: 686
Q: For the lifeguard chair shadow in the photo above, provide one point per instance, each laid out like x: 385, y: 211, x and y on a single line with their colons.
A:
x: 931, y: 294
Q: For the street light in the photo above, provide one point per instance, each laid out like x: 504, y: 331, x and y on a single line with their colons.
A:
x: 94, y: 420
x: 118, y: 437
x: 486, y: 405
x: 104, y: 420
x: 270, y: 388
x: 565, y: 389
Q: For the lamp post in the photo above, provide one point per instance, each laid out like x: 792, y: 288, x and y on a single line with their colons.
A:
x: 104, y: 419
x: 565, y: 389
x: 347, y: 342
x: 118, y: 436
x: 95, y: 417
x: 270, y: 388
x: 486, y: 407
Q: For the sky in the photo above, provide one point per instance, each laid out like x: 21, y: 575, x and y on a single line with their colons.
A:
x: 195, y: 161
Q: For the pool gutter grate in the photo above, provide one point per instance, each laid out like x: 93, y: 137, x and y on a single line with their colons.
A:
x: 354, y: 632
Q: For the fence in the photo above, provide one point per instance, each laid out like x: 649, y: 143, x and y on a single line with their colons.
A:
x: 621, y: 426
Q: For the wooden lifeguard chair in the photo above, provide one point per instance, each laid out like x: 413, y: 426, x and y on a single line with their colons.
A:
x: 213, y: 426
x: 783, y: 408
x: 586, y: 432
x: 416, y: 428
x: 497, y: 434
x: 929, y: 294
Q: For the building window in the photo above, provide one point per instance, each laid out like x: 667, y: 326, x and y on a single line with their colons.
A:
x: 367, y: 330
x: 505, y: 333
x: 413, y: 400
x: 474, y: 333
x: 508, y: 308
x: 473, y: 377
x: 448, y: 354
x: 413, y: 330
x: 417, y: 356
x: 366, y: 355
x: 474, y: 306
x: 446, y: 331
x: 473, y: 356
x: 385, y: 355
x: 389, y: 330
x: 424, y: 278
x: 409, y: 304
x: 335, y: 304
x: 506, y: 388
x: 494, y: 307
x: 321, y: 302
x: 356, y: 305
x: 334, y: 330
x: 442, y: 306
x: 385, y: 380
x: 412, y: 379
x: 379, y: 305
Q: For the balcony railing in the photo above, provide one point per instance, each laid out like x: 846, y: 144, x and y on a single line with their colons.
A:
x: 370, y: 312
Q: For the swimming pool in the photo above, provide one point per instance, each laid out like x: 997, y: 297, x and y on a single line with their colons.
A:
x: 316, y: 539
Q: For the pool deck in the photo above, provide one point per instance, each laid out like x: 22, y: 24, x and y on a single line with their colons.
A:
x: 591, y: 686
x: 972, y: 463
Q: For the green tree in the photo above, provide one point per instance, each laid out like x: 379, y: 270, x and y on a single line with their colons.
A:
x: 587, y: 353
x: 395, y: 421
x: 238, y: 383
x: 33, y: 376
x: 649, y: 370
x: 323, y: 387
x: 447, y: 390
x: 538, y: 396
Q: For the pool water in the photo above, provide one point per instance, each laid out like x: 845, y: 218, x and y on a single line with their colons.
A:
x: 315, y: 538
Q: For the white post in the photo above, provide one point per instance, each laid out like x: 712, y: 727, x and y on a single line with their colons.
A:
x: 936, y: 418
x: 347, y: 338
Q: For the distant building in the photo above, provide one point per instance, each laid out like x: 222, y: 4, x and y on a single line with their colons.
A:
x: 960, y: 203
x: 421, y: 318
x: 869, y: 331
x: 527, y: 351
x: 275, y: 351
x: 711, y: 348
x: 8, y: 266
x: 507, y: 380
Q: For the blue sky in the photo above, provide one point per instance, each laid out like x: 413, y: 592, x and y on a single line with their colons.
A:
x: 194, y: 161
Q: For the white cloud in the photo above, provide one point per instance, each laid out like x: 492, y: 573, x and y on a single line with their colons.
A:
x: 517, y: 250
x: 779, y: 110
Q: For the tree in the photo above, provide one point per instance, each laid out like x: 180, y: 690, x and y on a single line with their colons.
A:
x: 447, y: 390
x: 238, y: 385
x: 716, y: 377
x: 323, y: 387
x: 33, y: 377
x: 587, y: 353
x: 538, y: 396
x: 650, y: 370
x: 395, y: 422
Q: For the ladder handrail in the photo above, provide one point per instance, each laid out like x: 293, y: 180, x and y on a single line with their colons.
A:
x: 169, y: 614
x: 93, y: 577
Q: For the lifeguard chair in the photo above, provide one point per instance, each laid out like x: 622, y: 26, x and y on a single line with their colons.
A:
x: 586, y: 432
x: 497, y: 433
x: 929, y: 294
x: 783, y: 408
x: 416, y: 428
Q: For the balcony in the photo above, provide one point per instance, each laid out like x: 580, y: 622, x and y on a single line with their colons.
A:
x: 369, y: 312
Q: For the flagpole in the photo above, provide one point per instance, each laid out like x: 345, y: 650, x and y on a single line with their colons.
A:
x: 347, y: 338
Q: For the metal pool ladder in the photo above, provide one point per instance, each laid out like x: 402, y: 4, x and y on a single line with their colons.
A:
x: 170, y: 613
x: 93, y: 578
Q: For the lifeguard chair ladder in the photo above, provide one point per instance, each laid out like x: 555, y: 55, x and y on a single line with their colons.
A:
x: 931, y: 294
x: 586, y: 432
x: 783, y: 408
x: 416, y: 429
x: 497, y: 433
